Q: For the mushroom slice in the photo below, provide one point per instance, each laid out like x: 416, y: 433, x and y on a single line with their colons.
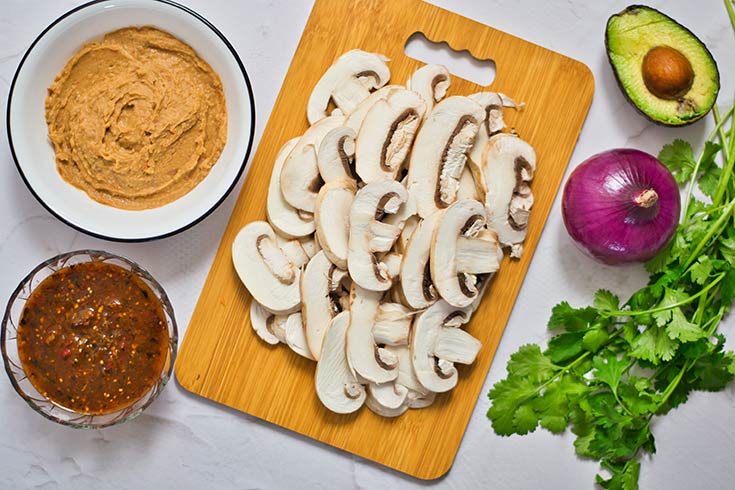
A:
x: 332, y: 217
x: 476, y: 255
x: 418, y: 396
x: 455, y: 258
x: 295, y: 337
x: 468, y: 188
x: 348, y: 81
x: 293, y: 250
x: 269, y: 327
x: 284, y: 218
x: 508, y: 165
x: 320, y: 288
x: 386, y: 135
x: 493, y: 123
x: 387, y: 399
x: 369, y: 236
x: 392, y: 325
x: 432, y: 82
x: 375, y: 402
x: 336, y: 385
x: 417, y: 399
x: 440, y: 152
x: 310, y: 245
x: 356, y: 117
x: 264, y: 269
x: 299, y: 178
x: 437, y: 343
x: 367, y: 360
x: 406, y: 219
x: 416, y: 285
x: 336, y: 153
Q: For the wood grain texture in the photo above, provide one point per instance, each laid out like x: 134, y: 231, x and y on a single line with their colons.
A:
x: 222, y: 359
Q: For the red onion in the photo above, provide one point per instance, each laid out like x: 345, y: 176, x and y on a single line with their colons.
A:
x: 621, y: 206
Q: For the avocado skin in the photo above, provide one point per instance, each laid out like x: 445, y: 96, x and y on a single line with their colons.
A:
x: 634, y: 10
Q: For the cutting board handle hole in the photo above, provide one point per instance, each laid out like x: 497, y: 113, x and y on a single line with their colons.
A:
x: 459, y: 63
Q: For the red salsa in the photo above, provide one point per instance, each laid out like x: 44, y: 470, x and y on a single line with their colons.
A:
x: 93, y: 338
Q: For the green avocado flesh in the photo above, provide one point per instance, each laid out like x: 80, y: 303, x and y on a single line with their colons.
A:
x: 630, y: 35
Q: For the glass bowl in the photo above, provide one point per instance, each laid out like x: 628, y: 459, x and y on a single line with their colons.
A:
x: 11, y: 358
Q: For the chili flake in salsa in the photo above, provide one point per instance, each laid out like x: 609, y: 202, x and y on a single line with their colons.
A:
x: 93, y: 338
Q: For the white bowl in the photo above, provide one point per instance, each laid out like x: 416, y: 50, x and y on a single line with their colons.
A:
x: 34, y: 154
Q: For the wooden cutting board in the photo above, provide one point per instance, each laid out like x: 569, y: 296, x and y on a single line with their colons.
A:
x: 222, y: 359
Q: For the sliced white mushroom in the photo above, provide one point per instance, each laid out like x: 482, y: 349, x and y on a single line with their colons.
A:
x: 440, y: 152
x: 386, y: 135
x: 432, y: 82
x: 416, y: 286
x: 284, y: 218
x: 355, y: 118
x: 392, y: 325
x: 375, y: 404
x: 493, y: 123
x: 409, y: 227
x: 367, y: 360
x: 455, y: 258
x: 295, y: 336
x: 477, y: 255
x: 269, y: 327
x: 406, y: 219
x: 391, y: 262
x: 335, y: 154
x: 348, y: 81
x: 336, y: 385
x: 369, y: 235
x: 332, y: 217
x: 437, y: 343
x: 508, y: 165
x: 299, y: 178
x: 264, y: 269
x: 387, y: 399
x: 418, y: 396
x: 468, y: 188
x: 310, y: 245
x: 293, y: 250
x: 417, y: 399
x: 320, y: 290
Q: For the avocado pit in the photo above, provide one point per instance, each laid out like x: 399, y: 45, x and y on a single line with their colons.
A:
x: 667, y: 73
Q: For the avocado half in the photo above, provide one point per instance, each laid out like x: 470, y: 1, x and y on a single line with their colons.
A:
x: 665, y: 71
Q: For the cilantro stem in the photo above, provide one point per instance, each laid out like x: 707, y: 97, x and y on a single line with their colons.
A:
x: 729, y: 160
x: 730, y: 12
x: 632, y: 313
x: 714, y: 229
x: 674, y: 383
x: 719, y: 121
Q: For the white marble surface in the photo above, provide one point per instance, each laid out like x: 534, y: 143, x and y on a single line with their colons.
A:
x: 184, y: 442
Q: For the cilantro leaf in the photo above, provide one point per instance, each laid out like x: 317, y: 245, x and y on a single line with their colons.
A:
x: 654, y: 345
x: 679, y: 158
x: 530, y: 363
x: 681, y: 329
x: 701, y: 270
x: 709, y: 181
x: 571, y: 319
x: 609, y: 369
x: 508, y: 396
x: 605, y: 300
x: 565, y: 346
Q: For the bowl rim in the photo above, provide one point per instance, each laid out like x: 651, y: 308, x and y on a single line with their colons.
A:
x: 198, y: 219
x: 173, y: 341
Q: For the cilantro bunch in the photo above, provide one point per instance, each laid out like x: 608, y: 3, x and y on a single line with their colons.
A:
x: 611, y: 367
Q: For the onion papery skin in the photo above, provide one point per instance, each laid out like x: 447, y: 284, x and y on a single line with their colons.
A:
x: 600, y: 210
